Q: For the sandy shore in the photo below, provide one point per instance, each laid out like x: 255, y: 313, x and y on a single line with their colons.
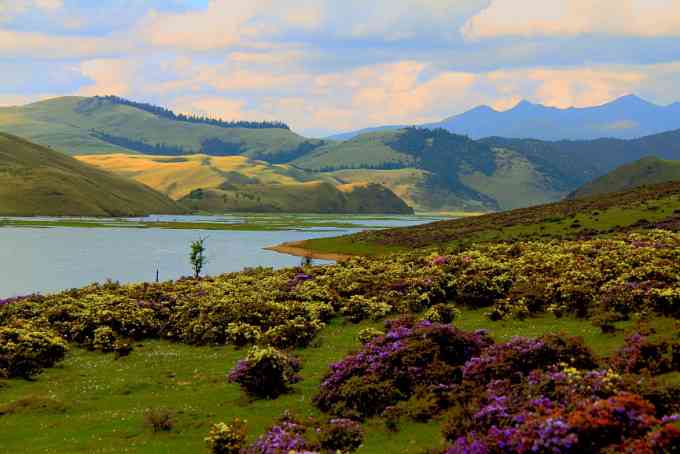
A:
x: 295, y: 248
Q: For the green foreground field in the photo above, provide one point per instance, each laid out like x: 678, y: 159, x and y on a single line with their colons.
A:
x: 94, y: 403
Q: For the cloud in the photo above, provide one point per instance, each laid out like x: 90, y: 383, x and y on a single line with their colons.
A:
x: 248, y: 23
x: 11, y: 8
x: 222, y: 24
x: 11, y: 100
x: 19, y: 44
x: 108, y: 76
x: 570, y: 18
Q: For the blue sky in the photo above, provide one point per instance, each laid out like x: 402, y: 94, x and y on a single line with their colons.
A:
x: 332, y: 65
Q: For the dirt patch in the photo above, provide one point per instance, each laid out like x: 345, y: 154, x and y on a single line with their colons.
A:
x: 297, y: 249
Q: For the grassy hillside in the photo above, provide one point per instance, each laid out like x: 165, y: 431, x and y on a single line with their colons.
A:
x: 312, y: 197
x: 35, y: 180
x: 440, y: 171
x: 370, y: 150
x: 647, y: 206
x: 646, y: 171
x: 236, y: 183
x: 580, y: 161
x: 78, y: 125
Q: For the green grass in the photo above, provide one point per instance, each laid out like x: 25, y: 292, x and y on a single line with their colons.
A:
x: 93, y: 403
x: 370, y: 149
x: 35, y: 180
x: 515, y: 183
x: 646, y: 171
x: 57, y: 122
x: 96, y: 403
x: 649, y: 205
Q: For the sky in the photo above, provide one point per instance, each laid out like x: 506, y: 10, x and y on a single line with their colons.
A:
x: 325, y: 66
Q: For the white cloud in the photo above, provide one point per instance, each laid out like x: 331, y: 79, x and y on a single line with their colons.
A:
x: 531, y: 18
x: 109, y: 77
x: 11, y: 8
x: 28, y: 45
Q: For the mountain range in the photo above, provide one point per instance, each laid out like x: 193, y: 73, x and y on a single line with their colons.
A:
x: 624, y: 118
x: 430, y: 169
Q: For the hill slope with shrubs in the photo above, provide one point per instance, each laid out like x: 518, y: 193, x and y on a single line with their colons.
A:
x: 319, y: 346
x: 647, y: 206
x: 35, y: 180
x: 646, y: 171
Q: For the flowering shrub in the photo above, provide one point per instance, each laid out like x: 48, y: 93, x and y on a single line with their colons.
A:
x: 285, y: 437
x: 390, y: 368
x: 227, y: 438
x: 266, y: 372
x: 104, y: 339
x: 293, y: 333
x: 441, y: 313
x: 621, y: 275
x: 521, y: 355
x: 622, y: 423
x: 642, y: 354
x: 359, y: 308
x: 366, y: 335
x: 241, y: 334
x: 341, y: 435
x: 25, y: 350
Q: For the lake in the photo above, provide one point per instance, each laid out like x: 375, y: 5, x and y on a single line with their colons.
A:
x: 52, y: 259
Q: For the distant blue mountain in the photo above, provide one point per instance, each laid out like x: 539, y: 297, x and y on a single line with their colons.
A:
x: 627, y: 117
x: 624, y: 118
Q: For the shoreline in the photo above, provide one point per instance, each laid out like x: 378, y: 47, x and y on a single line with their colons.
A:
x: 296, y: 249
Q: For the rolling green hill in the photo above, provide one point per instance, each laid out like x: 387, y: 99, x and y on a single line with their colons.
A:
x: 451, y: 172
x: 312, y: 197
x: 646, y: 171
x: 35, y: 180
x: 643, y: 207
x: 236, y: 183
x: 440, y: 171
x: 78, y: 125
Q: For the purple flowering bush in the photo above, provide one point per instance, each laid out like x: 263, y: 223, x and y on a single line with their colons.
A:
x: 390, y: 368
x: 557, y: 409
x: 286, y: 436
x: 340, y: 435
x: 521, y: 355
x: 641, y: 354
x: 621, y: 423
x: 266, y: 372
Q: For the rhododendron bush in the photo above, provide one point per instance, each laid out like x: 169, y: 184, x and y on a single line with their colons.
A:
x: 545, y: 395
x: 625, y: 275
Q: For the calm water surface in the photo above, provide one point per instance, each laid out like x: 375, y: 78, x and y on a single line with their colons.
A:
x: 52, y: 259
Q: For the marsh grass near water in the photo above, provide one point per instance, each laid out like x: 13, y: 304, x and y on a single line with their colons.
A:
x: 232, y: 221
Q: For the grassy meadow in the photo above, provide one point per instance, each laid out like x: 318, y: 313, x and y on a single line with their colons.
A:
x: 95, y: 403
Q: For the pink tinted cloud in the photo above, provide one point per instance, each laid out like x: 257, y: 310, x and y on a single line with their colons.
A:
x: 531, y: 18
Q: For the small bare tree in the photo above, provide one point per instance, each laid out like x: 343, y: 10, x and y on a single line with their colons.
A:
x: 197, y: 257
